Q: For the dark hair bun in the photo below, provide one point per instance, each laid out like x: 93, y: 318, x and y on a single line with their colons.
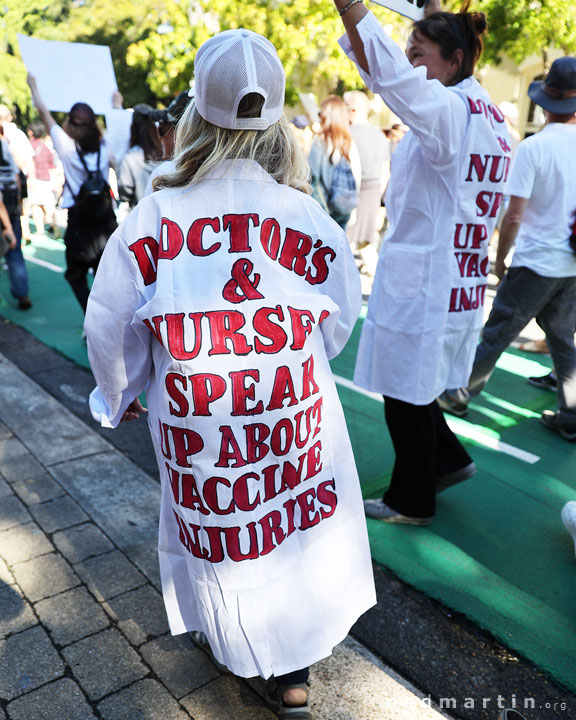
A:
x: 479, y: 22
x: 475, y: 20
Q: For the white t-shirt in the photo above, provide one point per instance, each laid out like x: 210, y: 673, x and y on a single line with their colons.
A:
x: 543, y: 172
x: 73, y: 169
x: 20, y: 146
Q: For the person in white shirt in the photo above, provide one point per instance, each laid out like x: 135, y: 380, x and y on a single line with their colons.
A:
x: 20, y: 145
x: 540, y: 222
x: 23, y: 153
x: 81, y: 149
x: 167, y: 120
x: 374, y: 150
x: 223, y: 295
x: 14, y: 259
x: 142, y: 158
x: 446, y: 186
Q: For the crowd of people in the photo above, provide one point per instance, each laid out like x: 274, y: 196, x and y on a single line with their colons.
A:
x: 232, y: 282
x: 349, y: 159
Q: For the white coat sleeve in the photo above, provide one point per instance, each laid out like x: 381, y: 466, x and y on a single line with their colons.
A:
x: 119, y: 348
x: 437, y: 115
x: 343, y: 286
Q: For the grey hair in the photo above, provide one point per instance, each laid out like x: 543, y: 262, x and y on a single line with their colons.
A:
x: 201, y: 146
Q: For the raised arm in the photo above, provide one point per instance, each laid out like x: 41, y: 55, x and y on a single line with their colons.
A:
x: 352, y: 11
x: 431, y: 7
x: 436, y: 114
x: 43, y: 111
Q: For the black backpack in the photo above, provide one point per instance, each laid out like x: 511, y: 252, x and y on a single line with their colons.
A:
x: 8, y: 185
x: 94, y: 199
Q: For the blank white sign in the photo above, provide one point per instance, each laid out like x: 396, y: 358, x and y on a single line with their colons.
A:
x: 67, y: 73
x: 413, y: 9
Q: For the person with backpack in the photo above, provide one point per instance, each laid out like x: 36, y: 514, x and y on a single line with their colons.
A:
x: 10, y: 189
x: 86, y: 195
x: 7, y: 237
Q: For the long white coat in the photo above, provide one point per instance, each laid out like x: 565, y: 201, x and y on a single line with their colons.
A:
x: 225, y: 301
x: 446, y: 187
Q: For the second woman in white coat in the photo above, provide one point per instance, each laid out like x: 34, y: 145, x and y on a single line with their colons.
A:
x: 446, y: 187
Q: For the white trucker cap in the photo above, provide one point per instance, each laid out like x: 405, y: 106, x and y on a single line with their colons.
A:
x: 229, y: 66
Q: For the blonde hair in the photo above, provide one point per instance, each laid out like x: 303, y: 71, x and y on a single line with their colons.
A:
x: 200, y: 147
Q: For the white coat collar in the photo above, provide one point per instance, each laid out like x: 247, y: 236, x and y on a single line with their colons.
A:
x: 239, y: 170
x: 471, y: 85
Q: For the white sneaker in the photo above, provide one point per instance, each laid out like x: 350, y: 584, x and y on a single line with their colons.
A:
x: 569, y: 519
x: 455, y: 401
x: 376, y: 508
x: 511, y: 715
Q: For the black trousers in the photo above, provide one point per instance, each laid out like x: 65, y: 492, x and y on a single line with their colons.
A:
x: 425, y: 449
x: 297, y: 677
x: 85, y: 241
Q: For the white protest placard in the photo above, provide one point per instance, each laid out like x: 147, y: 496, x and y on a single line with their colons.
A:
x: 67, y: 73
x: 413, y: 9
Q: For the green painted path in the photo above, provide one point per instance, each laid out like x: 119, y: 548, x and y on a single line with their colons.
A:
x: 497, y: 550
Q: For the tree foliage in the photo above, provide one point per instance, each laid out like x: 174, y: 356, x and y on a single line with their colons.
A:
x: 520, y: 28
x: 153, y: 42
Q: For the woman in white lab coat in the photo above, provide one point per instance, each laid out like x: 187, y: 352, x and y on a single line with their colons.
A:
x: 224, y: 295
x: 446, y: 187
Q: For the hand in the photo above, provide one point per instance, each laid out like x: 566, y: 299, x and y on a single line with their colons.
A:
x: 133, y: 411
x: 31, y: 80
x: 10, y: 237
x: 432, y: 6
x: 500, y: 269
x: 117, y: 99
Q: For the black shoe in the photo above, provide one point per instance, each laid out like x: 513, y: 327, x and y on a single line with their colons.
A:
x: 24, y: 303
x: 544, y: 382
x: 553, y: 421
x: 455, y: 477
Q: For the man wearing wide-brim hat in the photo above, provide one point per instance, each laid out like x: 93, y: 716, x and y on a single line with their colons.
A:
x: 541, y: 222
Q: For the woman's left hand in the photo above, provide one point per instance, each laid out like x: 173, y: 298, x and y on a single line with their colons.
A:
x: 133, y: 411
x: 10, y: 237
x: 500, y: 269
x: 432, y: 6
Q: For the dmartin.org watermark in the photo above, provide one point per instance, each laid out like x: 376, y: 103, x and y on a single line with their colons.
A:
x: 500, y: 702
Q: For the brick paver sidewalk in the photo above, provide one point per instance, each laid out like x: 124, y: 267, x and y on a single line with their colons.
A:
x: 83, y: 632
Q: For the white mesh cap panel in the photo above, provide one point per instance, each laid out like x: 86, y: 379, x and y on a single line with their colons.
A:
x: 229, y: 66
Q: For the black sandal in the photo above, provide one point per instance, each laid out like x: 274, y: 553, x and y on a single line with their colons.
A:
x: 274, y: 700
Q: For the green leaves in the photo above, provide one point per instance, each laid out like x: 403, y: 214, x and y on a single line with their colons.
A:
x: 153, y: 42
x: 520, y: 28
